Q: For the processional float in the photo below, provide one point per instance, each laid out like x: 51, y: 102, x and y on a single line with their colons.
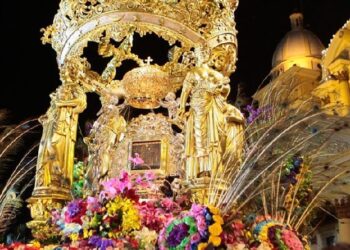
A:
x: 203, y: 45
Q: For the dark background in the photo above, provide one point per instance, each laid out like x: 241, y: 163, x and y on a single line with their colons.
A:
x: 29, y: 71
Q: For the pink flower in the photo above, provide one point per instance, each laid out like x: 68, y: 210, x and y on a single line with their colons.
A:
x: 195, y: 238
x: 137, y: 160
x: 138, y: 180
x: 168, y: 204
x: 123, y: 182
x: 116, y: 186
x: 109, y: 188
x: 291, y: 240
x: 201, y: 224
x: 124, y: 176
x: 196, y: 210
x: 92, y: 204
x: 150, y: 176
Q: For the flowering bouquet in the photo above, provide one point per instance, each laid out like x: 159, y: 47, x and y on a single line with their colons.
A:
x: 194, y: 229
x: 276, y: 235
x: 117, y: 218
x: 112, y: 219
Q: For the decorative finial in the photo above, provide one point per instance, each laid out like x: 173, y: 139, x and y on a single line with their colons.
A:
x: 296, y: 20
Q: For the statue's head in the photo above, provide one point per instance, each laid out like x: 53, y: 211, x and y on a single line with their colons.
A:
x: 223, y: 59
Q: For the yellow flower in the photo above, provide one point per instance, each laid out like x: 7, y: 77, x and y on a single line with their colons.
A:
x: 74, y: 237
x: 35, y: 243
x: 130, y: 215
x: 213, y: 210
x: 248, y: 234
x: 263, y: 235
x: 215, y: 240
x: 202, y: 246
x: 218, y: 219
x: 85, y: 233
x: 215, y: 229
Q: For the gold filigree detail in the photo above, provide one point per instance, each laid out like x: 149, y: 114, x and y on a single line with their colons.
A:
x: 146, y: 86
x: 151, y: 127
x: 203, y: 21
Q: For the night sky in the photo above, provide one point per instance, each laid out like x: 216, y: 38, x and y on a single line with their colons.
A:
x: 31, y: 71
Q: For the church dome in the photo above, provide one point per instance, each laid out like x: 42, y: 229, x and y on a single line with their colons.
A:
x: 299, y: 47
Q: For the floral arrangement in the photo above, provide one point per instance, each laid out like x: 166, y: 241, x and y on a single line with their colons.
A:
x: 195, y: 229
x: 119, y: 218
x: 113, y: 219
x: 237, y: 235
x: 276, y: 235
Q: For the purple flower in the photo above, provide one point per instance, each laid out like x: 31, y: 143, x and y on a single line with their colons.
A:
x: 105, y: 243
x: 73, y: 208
x: 100, y: 243
x: 255, y: 113
x: 95, y: 240
x: 178, y: 233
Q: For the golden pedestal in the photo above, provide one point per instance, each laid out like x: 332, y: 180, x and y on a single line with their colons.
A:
x: 206, y: 191
x: 41, y: 207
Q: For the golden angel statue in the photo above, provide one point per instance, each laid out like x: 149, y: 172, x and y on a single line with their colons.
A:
x: 211, y: 123
x: 56, y: 151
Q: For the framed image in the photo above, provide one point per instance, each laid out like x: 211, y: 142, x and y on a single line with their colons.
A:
x: 148, y: 155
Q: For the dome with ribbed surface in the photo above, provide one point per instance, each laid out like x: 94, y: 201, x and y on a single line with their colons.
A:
x: 299, y: 47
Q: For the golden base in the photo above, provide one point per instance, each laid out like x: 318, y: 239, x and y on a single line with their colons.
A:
x: 41, y: 209
x: 205, y: 192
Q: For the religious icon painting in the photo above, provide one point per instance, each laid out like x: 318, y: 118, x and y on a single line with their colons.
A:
x: 148, y: 155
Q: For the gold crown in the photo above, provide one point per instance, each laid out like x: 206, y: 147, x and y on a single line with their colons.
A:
x: 145, y: 86
x: 191, y: 22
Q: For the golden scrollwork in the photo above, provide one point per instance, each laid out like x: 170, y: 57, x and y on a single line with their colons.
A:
x: 40, y: 210
x: 190, y: 22
x: 151, y: 127
x: 123, y: 52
